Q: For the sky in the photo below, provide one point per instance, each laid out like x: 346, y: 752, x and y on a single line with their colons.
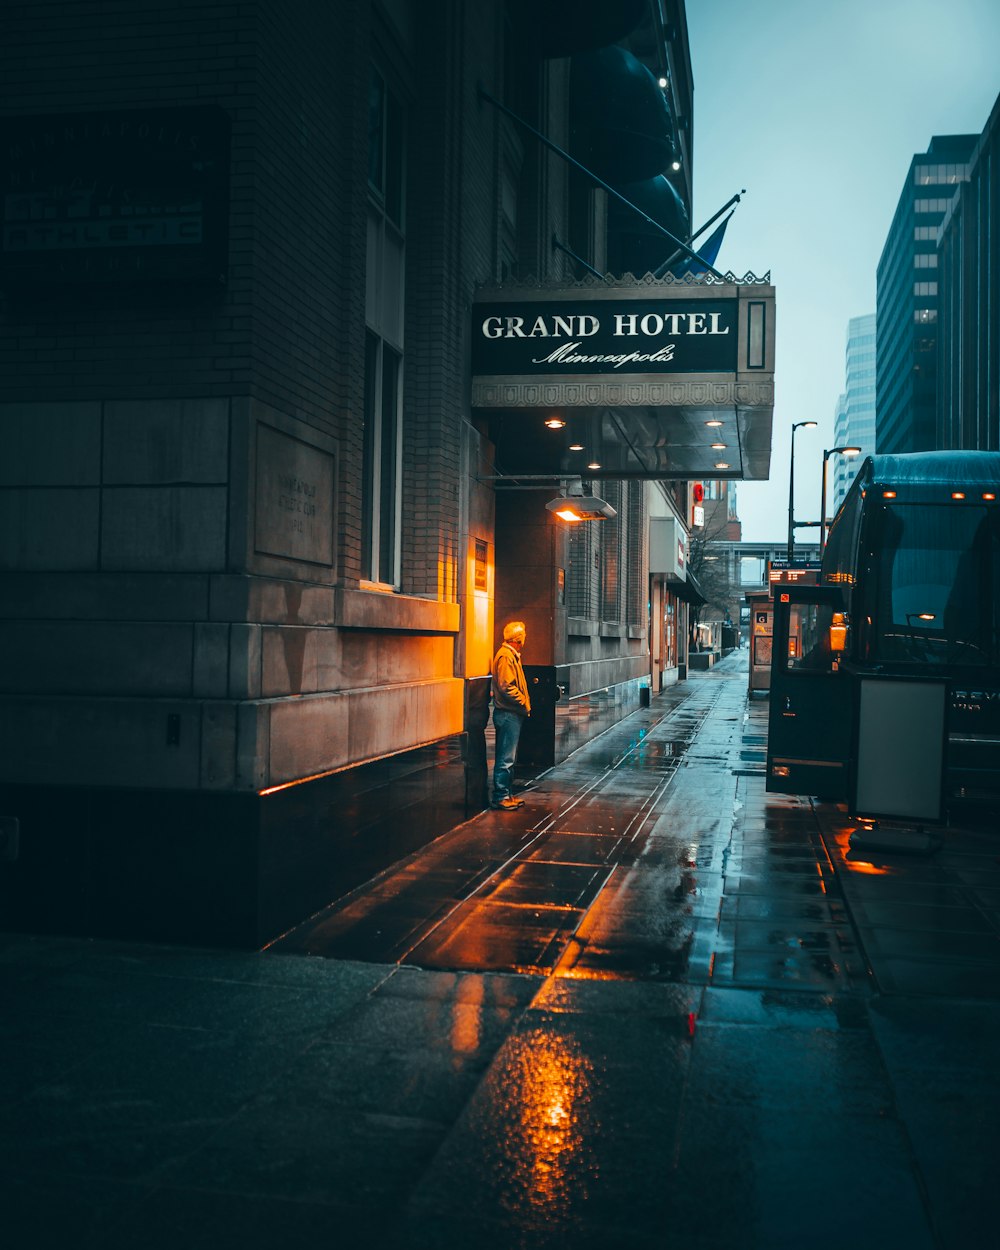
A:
x: 817, y: 110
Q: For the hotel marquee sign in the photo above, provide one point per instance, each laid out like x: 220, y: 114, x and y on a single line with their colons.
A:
x: 634, y: 367
x: 611, y: 337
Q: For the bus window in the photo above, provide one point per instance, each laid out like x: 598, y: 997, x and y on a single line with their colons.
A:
x: 840, y: 555
x: 809, y: 638
x: 935, y: 606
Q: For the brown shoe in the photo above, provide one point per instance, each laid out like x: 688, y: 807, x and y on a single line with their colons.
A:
x: 508, y: 805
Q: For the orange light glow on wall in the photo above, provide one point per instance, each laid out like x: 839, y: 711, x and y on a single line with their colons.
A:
x: 447, y: 579
x: 478, y: 607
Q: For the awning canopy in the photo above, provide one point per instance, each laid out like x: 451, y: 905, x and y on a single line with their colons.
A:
x: 621, y: 125
x: 650, y: 379
x: 634, y: 246
x: 689, y: 591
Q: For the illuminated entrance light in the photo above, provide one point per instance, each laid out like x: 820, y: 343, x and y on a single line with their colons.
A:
x: 576, y: 446
x: 988, y: 494
x: 888, y: 494
x: 576, y: 506
x: 555, y: 423
x: 721, y: 464
x: 958, y: 494
x: 714, y: 424
x: 594, y: 464
x: 719, y: 446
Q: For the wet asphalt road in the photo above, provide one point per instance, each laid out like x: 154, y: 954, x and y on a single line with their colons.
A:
x: 656, y: 1007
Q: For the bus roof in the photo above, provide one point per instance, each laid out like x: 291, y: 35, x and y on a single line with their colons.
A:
x: 934, y: 468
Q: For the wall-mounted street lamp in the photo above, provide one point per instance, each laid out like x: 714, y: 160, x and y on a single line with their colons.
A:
x: 797, y: 425
x: 574, y: 505
x: 833, y: 451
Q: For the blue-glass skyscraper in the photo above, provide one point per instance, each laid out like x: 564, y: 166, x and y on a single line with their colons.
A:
x: 968, y: 390
x: 855, y: 416
x: 907, y: 299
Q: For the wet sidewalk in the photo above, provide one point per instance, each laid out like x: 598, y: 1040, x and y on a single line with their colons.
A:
x: 654, y: 1007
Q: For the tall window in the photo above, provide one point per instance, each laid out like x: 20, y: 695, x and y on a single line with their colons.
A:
x: 637, y: 576
x: 612, y: 556
x: 581, y: 577
x: 384, y: 299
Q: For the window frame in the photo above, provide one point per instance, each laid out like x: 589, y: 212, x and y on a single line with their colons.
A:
x: 385, y: 298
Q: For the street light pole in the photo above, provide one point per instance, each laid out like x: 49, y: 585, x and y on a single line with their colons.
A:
x: 809, y: 425
x: 844, y: 451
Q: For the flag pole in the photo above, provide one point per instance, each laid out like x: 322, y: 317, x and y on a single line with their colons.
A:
x: 701, y: 230
x: 683, y: 247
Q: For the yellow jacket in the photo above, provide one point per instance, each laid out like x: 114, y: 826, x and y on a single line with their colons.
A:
x: 510, y: 689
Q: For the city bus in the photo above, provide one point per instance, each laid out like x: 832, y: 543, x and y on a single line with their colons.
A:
x: 909, y: 591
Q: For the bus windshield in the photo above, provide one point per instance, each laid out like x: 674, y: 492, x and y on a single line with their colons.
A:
x: 937, y: 605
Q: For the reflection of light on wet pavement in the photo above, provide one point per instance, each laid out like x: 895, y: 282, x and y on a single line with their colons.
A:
x: 467, y: 1016
x: 586, y: 974
x: 546, y: 1116
x: 848, y: 856
x: 862, y: 866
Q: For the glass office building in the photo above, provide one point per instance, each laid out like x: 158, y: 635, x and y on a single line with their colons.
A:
x: 855, y: 415
x: 968, y: 398
x: 907, y: 297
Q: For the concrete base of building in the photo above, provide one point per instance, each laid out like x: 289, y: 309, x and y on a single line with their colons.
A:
x: 232, y: 870
x: 669, y: 677
x: 239, y: 869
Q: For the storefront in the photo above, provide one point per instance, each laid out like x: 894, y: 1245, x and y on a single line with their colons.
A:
x: 668, y: 591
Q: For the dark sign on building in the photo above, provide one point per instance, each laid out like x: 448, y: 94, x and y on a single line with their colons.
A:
x: 604, y: 336
x: 137, y: 195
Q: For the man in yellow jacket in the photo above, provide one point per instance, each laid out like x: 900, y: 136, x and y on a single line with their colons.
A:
x: 511, y: 706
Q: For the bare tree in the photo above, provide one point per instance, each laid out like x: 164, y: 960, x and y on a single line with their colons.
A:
x: 708, y: 565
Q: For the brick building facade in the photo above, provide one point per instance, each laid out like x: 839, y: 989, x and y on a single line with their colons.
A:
x: 254, y: 553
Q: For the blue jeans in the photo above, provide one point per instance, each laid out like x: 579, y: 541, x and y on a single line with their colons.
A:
x: 508, y: 730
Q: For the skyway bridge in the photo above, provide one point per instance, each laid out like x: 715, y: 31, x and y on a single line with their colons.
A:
x: 746, y: 562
